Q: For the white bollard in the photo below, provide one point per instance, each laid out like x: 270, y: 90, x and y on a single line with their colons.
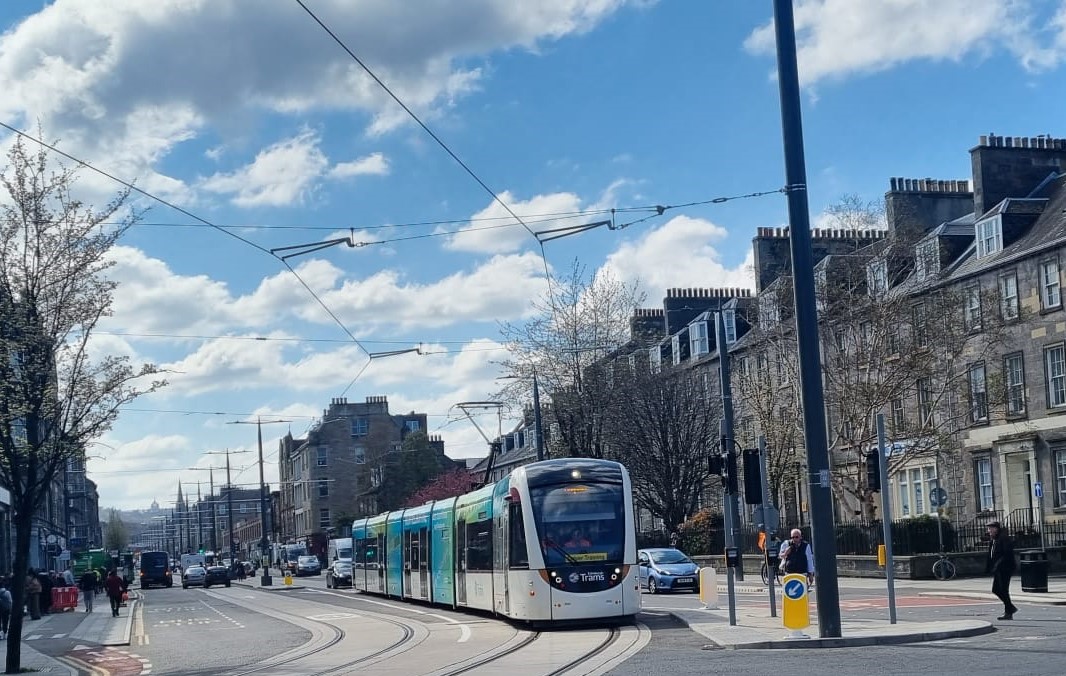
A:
x: 709, y: 588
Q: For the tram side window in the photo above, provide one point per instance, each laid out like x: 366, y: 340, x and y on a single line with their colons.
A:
x: 519, y: 554
x: 370, y: 552
x: 479, y: 545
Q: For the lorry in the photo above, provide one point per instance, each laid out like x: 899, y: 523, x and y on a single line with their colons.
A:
x: 339, y: 548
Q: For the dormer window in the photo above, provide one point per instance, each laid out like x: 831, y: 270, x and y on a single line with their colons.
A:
x: 927, y: 259
x: 675, y: 348
x: 989, y: 236
x: 769, y: 311
x: 698, y: 341
x: 655, y: 359
x: 730, y: 318
x: 877, y: 277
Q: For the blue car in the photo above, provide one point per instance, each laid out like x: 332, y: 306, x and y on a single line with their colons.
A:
x: 667, y: 569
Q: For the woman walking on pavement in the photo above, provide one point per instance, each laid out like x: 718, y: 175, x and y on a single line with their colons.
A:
x: 114, y: 585
x: 33, y: 594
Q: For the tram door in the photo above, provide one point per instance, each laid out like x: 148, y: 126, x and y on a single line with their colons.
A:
x: 423, y: 561
x: 460, y: 562
x: 501, y: 555
x: 381, y: 561
x: 409, y: 559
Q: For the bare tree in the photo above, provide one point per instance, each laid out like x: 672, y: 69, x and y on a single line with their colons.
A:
x: 56, y: 396
x: 573, y: 326
x: 661, y: 427
x: 893, y: 345
x: 766, y: 395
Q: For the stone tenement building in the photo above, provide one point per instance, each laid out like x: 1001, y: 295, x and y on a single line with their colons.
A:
x: 996, y: 242
x: 330, y: 477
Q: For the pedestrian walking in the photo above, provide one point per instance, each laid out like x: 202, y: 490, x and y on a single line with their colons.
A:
x: 1001, y: 566
x: 33, y: 595
x: 5, y: 606
x: 114, y: 587
x: 87, y: 584
x: 797, y: 556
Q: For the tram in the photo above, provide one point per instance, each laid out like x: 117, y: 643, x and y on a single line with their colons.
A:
x: 553, y: 541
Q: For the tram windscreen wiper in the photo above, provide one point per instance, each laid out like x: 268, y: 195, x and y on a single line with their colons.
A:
x: 569, y: 559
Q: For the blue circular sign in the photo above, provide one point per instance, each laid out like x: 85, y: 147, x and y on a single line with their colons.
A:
x: 794, y: 589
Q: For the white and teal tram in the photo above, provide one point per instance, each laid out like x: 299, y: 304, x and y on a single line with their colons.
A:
x: 554, y: 541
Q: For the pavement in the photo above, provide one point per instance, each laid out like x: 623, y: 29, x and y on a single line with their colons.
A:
x: 97, y: 627
x: 755, y: 629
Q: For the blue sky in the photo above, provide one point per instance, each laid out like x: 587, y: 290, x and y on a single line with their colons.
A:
x: 247, y: 114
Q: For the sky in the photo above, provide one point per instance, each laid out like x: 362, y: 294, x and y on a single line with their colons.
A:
x: 247, y: 115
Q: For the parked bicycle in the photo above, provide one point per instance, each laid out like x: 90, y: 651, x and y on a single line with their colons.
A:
x: 943, y: 568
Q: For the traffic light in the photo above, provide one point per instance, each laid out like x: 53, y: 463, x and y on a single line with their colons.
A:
x: 873, y: 470
x: 715, y: 465
x: 731, y: 479
x: 752, y: 477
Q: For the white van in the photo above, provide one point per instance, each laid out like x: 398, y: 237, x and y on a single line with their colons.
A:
x: 340, y: 548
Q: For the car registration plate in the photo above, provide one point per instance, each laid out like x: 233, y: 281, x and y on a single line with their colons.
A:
x: 684, y: 580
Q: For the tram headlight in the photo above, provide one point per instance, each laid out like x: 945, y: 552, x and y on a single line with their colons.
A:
x: 617, y: 571
x: 614, y: 578
x: 558, y: 580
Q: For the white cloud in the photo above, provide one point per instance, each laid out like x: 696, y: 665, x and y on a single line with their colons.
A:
x: 281, y: 175
x: 494, y: 230
x: 374, y: 164
x: 96, y: 73
x: 680, y: 253
x: 838, y: 38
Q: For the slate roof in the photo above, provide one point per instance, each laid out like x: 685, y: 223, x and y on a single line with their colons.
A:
x: 1047, y: 231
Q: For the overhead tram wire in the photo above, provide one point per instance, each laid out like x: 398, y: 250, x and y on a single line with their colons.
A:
x: 188, y: 213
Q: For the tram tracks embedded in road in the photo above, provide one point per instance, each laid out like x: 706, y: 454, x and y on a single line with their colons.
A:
x: 612, y: 636
x: 408, y: 634
x: 487, y: 658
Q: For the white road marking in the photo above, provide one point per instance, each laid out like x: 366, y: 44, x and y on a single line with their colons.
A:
x: 446, y: 619
x: 464, y: 633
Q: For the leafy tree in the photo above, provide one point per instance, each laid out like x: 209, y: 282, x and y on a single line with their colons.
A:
x: 579, y: 320
x: 661, y: 427
x: 446, y: 485
x: 117, y: 536
x: 56, y: 394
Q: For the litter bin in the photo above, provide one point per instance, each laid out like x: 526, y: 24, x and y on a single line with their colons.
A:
x: 1034, y: 571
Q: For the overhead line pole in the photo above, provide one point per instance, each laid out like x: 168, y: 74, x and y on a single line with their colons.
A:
x: 812, y: 397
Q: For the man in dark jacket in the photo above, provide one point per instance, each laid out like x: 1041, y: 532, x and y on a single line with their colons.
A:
x: 1001, y: 565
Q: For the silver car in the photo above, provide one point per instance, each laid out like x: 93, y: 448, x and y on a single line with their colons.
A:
x: 308, y: 565
x: 193, y: 575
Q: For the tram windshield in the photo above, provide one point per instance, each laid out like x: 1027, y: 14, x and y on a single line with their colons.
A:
x: 580, y: 523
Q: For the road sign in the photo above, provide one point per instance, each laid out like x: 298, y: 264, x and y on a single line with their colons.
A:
x: 938, y: 497
x: 1038, y: 490
x: 795, y: 605
x: 770, y: 518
